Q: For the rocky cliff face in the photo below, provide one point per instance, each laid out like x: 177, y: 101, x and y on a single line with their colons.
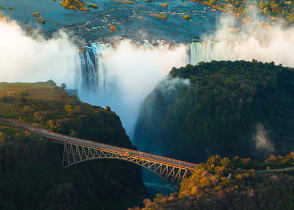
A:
x: 226, y: 108
x: 31, y: 176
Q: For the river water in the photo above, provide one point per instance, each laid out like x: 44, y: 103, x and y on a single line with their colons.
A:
x: 132, y: 21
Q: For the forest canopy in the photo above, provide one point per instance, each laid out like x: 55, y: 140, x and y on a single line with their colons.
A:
x: 226, y: 108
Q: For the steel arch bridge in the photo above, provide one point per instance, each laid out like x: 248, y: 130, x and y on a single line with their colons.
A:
x: 78, y: 150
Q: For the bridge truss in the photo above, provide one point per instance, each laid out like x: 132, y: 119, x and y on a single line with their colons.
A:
x: 74, y: 154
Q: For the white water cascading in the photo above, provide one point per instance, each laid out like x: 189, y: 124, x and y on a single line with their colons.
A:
x: 201, y: 51
x: 93, y: 76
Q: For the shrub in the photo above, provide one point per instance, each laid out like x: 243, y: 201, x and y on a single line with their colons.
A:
x: 40, y: 116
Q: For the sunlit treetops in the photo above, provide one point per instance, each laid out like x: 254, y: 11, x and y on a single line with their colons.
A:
x: 237, y: 182
x: 160, y: 16
x: 274, y: 9
x: 77, y: 5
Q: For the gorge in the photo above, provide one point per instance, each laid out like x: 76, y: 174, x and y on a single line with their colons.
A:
x: 124, y: 72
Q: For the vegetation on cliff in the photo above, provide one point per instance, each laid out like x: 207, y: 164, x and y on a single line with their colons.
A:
x: 160, y: 16
x: 77, y: 5
x: 223, y: 183
x: 229, y: 108
x: 31, y: 176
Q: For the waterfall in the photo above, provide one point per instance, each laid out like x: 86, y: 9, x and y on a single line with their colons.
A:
x: 94, y: 76
x: 202, y: 52
x: 89, y: 69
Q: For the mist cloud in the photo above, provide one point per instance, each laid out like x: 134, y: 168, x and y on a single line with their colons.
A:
x: 262, y: 141
x: 27, y: 59
x: 140, y: 68
x: 171, y: 85
x: 257, y: 39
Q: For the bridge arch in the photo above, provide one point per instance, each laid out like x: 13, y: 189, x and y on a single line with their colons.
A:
x: 75, y: 154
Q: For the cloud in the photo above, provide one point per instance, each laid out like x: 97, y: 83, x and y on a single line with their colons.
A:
x: 256, y: 39
x: 170, y: 85
x: 24, y: 58
x: 261, y: 139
